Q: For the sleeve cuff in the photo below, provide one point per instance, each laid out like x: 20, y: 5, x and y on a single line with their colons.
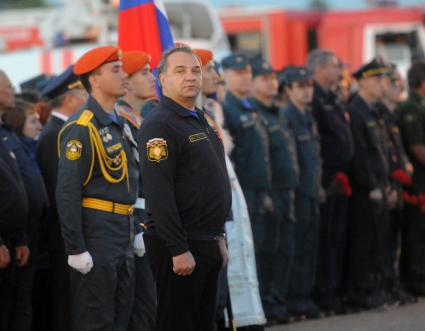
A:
x: 178, y: 249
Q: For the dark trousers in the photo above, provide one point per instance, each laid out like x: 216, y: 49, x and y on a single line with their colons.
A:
x: 185, y: 303
x: 366, y: 234
x: 6, y: 295
x: 413, y: 249
x: 252, y: 198
x: 392, y: 244
x: 332, y: 249
x: 59, y: 294
x: 16, y: 284
x: 277, y: 252
x: 305, y: 256
x: 102, y: 299
x: 144, y: 306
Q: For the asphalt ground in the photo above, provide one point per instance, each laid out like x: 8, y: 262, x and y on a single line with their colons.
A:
x: 393, y: 318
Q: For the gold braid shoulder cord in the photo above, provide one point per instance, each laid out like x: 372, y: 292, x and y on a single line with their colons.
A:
x: 105, y: 162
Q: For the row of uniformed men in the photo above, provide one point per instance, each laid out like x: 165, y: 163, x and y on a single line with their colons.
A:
x: 276, y: 154
x: 322, y: 181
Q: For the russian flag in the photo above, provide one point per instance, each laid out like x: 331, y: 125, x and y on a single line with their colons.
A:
x: 143, y: 26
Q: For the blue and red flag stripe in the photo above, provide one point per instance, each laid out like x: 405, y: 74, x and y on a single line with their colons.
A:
x: 143, y: 26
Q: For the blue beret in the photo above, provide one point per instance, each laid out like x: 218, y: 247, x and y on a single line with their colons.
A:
x: 295, y: 74
x: 235, y: 61
x: 260, y: 67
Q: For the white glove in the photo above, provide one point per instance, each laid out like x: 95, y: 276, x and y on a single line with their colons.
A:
x: 376, y: 195
x: 139, y: 245
x: 81, y: 262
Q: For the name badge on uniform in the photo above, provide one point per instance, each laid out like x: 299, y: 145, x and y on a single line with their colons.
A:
x: 157, y: 150
x: 196, y: 137
x: 371, y: 124
x: 304, y: 137
x: 274, y: 128
x: 114, y: 148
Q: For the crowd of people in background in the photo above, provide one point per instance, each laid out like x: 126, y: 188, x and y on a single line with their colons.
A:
x: 327, y: 170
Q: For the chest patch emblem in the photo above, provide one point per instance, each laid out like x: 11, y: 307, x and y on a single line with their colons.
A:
x: 196, y: 137
x: 157, y: 150
x: 73, y: 150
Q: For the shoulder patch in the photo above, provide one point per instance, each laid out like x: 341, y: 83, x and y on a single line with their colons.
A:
x: 85, y: 118
x: 157, y: 150
x: 73, y: 149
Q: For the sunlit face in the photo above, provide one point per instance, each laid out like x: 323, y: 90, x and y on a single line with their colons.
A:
x: 333, y: 70
x: 7, y: 92
x: 110, y: 79
x: 182, y: 78
x: 32, y: 126
x: 265, y: 85
x: 239, y: 81
x: 372, y: 86
x: 142, y: 83
x: 301, y: 92
x: 209, y: 79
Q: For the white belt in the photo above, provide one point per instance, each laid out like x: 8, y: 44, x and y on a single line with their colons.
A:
x: 140, y: 203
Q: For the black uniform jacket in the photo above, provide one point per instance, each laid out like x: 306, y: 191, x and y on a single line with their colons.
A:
x: 186, y: 183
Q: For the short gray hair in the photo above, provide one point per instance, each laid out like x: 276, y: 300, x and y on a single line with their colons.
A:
x: 318, y: 58
x: 163, y: 63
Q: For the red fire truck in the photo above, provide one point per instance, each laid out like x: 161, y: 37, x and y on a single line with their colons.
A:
x: 285, y: 37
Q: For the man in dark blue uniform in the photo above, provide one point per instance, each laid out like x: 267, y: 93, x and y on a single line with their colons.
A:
x: 412, y: 124
x: 96, y: 188
x: 393, y: 89
x: 299, y: 86
x: 14, y: 252
x: 66, y: 95
x: 141, y: 86
x: 337, y: 153
x: 278, y: 248
x: 20, y: 313
x: 370, y: 183
x: 188, y: 198
x: 250, y: 155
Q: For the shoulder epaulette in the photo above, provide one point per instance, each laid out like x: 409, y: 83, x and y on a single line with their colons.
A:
x: 85, y: 118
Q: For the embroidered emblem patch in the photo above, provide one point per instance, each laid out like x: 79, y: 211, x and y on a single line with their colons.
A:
x: 73, y: 150
x: 197, y: 137
x: 157, y: 149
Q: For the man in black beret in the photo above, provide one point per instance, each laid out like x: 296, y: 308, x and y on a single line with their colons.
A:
x: 368, y: 213
x: 66, y: 95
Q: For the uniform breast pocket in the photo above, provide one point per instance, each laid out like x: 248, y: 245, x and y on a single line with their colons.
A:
x: 200, y: 152
x: 277, y: 139
x: 373, y: 132
x: 114, y: 154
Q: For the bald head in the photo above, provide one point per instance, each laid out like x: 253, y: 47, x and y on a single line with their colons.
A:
x: 7, y: 92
